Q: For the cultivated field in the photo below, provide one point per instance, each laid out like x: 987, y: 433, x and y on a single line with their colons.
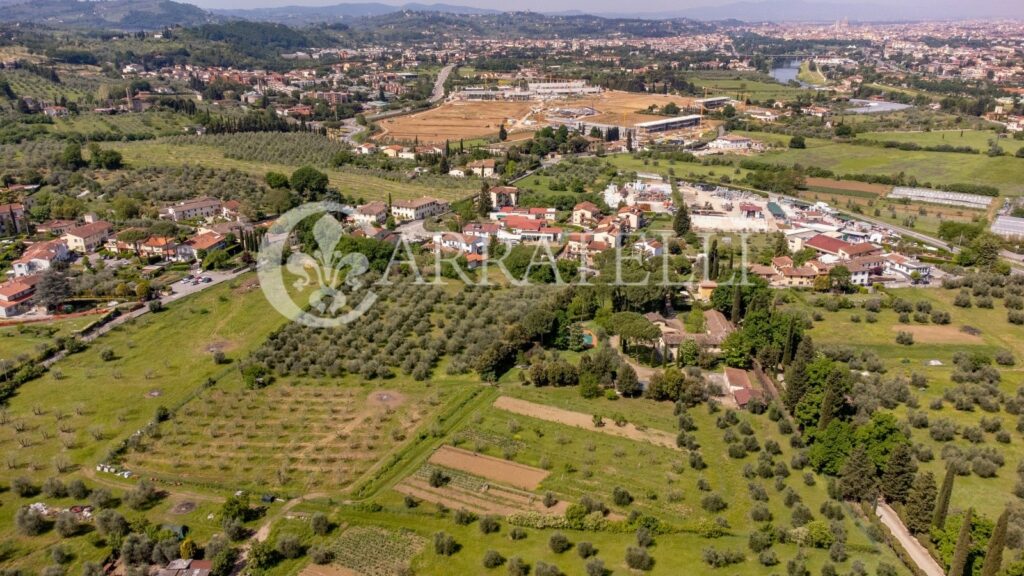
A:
x: 350, y: 183
x: 460, y: 120
x: 977, y: 139
x: 303, y: 438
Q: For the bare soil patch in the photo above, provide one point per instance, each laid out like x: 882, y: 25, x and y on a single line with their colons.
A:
x: 930, y: 334
x: 489, y: 467
x: 585, y: 421
x: 183, y: 507
x: 387, y: 398
x: 879, y: 189
x: 455, y: 120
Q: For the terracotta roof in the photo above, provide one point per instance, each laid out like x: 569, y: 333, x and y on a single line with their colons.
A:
x: 89, y: 230
x: 827, y: 244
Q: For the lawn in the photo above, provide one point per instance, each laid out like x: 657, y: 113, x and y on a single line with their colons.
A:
x: 359, y: 185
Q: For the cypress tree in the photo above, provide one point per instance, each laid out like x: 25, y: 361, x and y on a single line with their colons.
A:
x: 996, y: 543
x: 787, y: 350
x: 796, y: 376
x: 832, y: 403
x: 681, y: 220
x: 737, y: 304
x: 942, y: 503
x: 857, y: 478
x: 898, y: 476
x: 921, y: 503
x: 963, y: 546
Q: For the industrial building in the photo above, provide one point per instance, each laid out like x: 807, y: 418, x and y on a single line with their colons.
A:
x: 666, y: 124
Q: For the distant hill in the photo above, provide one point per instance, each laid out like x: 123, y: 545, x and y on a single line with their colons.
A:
x: 333, y: 13
x: 116, y: 14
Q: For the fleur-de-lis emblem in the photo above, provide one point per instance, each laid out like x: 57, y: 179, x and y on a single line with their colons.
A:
x: 328, y: 267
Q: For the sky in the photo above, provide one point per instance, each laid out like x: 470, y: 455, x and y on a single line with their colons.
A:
x: 707, y: 9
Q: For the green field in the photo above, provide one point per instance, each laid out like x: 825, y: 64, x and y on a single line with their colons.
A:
x: 20, y: 340
x: 977, y: 139
x: 359, y: 185
x: 145, y: 123
x: 810, y: 76
x: 928, y: 167
x: 737, y: 86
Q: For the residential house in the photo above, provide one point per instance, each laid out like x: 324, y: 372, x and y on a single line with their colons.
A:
x: 744, y: 386
x: 372, y: 213
x: 481, y: 230
x: 16, y: 295
x: 13, y: 220
x: 452, y: 242
x: 191, y: 209
x: 549, y: 214
x: 484, y: 168
x: 906, y: 266
x: 56, y: 227
x: 502, y: 196
x: 88, y: 237
x: 731, y: 143
x: 392, y: 151
x: 187, y: 567
x: 418, y: 209
x: 584, y: 213
x: 366, y: 149
x: 40, y: 256
x: 195, y: 247
x: 649, y: 248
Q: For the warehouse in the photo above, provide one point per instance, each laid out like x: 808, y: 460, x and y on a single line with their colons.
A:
x: 677, y: 123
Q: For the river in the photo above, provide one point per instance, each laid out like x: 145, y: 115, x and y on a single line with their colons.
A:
x: 786, y: 73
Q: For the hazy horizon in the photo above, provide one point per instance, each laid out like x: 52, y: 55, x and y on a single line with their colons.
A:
x: 900, y: 9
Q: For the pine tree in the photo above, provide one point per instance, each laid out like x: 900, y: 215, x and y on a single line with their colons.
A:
x: 737, y: 304
x: 796, y: 376
x: 996, y: 543
x: 963, y: 546
x: 857, y: 478
x: 921, y: 503
x: 942, y: 503
x: 898, y: 477
x: 681, y: 220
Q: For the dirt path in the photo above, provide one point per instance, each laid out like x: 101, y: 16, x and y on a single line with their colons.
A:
x: 917, y: 552
x: 643, y: 373
x: 496, y: 469
x: 585, y: 421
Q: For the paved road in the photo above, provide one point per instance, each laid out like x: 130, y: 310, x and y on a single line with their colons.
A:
x: 917, y: 552
x: 442, y: 77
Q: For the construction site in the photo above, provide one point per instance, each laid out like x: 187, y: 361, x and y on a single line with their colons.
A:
x: 479, y: 114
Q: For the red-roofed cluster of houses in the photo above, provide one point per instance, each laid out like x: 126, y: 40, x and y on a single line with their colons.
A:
x: 866, y: 262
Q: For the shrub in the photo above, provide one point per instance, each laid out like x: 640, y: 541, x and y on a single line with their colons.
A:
x: 721, y: 558
x: 904, y: 338
x: 29, y: 522
x: 517, y: 567
x: 585, y: 550
x: 24, y: 487
x: 544, y: 569
x: 517, y: 533
x: 639, y: 559
x: 621, y: 497
x: 438, y: 478
x: 289, y: 546
x: 489, y: 525
x: 445, y: 544
x: 768, y: 558
x: 320, y: 524
x: 492, y: 559
x: 559, y: 543
x: 321, y: 555
x: 595, y: 567
x: 550, y: 499
x: 713, y: 503
x: 464, y: 517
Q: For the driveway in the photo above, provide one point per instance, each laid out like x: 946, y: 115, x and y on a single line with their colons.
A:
x: 917, y: 552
